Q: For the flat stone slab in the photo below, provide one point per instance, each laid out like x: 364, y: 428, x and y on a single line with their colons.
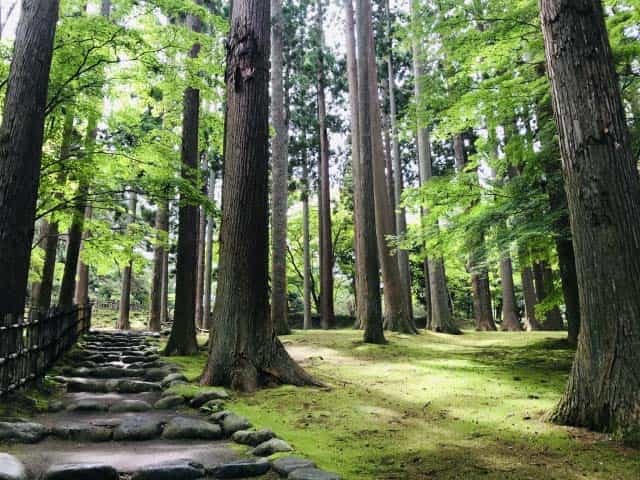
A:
x: 130, y: 406
x: 250, y: 467
x: 203, y: 397
x: 252, y: 437
x: 169, y: 402
x: 172, y: 377
x: 82, y: 432
x: 22, y: 432
x: 132, y: 386
x: 285, y: 465
x: 81, y: 471
x: 230, y: 422
x: 138, y: 429
x: 312, y: 474
x: 270, y: 447
x: 184, y: 469
x: 11, y: 468
x: 78, y: 384
x: 191, y: 428
x: 88, y: 406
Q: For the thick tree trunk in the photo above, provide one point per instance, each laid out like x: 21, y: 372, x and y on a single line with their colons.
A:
x: 306, y: 250
x: 279, y: 174
x: 244, y: 351
x: 553, y: 318
x: 127, y: 274
x: 441, y: 320
x: 182, y: 340
x: 510, y: 320
x: 209, y: 260
x: 162, y: 225
x: 50, y: 231
x: 164, y: 310
x: 529, y: 294
x: 327, y: 315
x: 396, y: 312
x: 369, y: 311
x: 21, y: 137
x: 202, y: 234
x: 603, y: 188
x: 400, y: 213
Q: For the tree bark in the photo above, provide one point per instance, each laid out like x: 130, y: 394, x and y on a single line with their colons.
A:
x: 127, y: 274
x: 244, y: 351
x: 21, y: 135
x: 279, y: 173
x: 327, y: 315
x: 202, y: 234
x: 369, y: 311
x: 510, y: 320
x: 82, y: 285
x: 603, y: 188
x: 208, y: 271
x: 396, y: 312
x: 164, y: 310
x: 306, y: 250
x: 553, y: 318
x: 182, y: 340
x: 162, y: 227
x: 50, y: 231
x: 529, y: 294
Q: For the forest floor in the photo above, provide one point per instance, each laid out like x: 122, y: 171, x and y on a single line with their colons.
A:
x: 433, y: 407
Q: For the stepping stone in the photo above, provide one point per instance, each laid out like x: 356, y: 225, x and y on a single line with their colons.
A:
x: 285, y: 465
x: 22, y: 432
x: 115, y: 372
x: 87, y: 406
x: 312, y: 474
x: 134, y: 358
x: 85, y: 385
x: 203, y: 397
x: 270, y: 447
x: 55, y: 406
x: 171, y: 470
x: 172, y: 377
x: 253, y: 437
x: 132, y: 386
x: 231, y: 423
x: 79, y: 372
x: 168, y: 402
x: 81, y: 432
x: 130, y: 406
x: 251, y: 467
x: 212, y: 406
x: 191, y: 428
x: 11, y: 468
x: 156, y: 374
x: 138, y: 429
x: 79, y: 471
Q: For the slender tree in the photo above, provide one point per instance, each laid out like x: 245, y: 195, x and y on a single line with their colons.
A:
x: 603, y: 188
x: 244, y: 351
x: 208, y: 270
x: 182, y: 340
x: 307, y: 322
x: 510, y: 319
x: 127, y: 273
x: 279, y: 173
x: 21, y: 135
x: 162, y: 227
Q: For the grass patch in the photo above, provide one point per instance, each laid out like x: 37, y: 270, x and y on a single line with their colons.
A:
x: 433, y: 407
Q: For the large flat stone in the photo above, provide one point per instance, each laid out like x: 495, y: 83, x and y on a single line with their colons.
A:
x: 285, y: 465
x: 130, y: 406
x: 231, y: 423
x: 172, y: 470
x: 250, y: 467
x: 82, y: 432
x: 11, y: 468
x: 81, y: 471
x: 252, y: 437
x: 169, y: 402
x: 191, y: 428
x: 132, y: 386
x: 275, y: 445
x: 88, y: 406
x: 138, y: 429
x: 22, y: 432
x: 203, y: 397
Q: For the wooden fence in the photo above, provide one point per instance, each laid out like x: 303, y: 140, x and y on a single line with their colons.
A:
x: 30, y: 347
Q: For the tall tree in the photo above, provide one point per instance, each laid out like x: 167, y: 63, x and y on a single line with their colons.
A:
x: 279, y: 173
x: 603, y: 188
x: 369, y: 309
x: 162, y: 227
x: 208, y: 270
x: 21, y: 135
x: 244, y: 351
x: 182, y: 340
x: 327, y: 316
x: 307, y: 322
x: 127, y: 272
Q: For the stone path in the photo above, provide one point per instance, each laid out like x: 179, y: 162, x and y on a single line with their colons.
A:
x: 117, y: 420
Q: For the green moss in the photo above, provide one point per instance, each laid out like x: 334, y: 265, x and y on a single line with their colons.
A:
x: 433, y: 406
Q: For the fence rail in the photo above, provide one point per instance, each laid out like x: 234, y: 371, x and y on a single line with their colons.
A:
x: 29, y: 347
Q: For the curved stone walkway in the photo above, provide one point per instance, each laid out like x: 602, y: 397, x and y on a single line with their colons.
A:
x: 117, y: 420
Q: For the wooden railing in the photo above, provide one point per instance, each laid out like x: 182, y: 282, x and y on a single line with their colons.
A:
x: 28, y: 348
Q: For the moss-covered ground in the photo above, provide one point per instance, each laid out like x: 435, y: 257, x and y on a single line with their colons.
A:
x: 433, y: 407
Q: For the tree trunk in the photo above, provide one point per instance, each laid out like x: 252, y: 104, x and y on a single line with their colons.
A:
x: 400, y: 212
x: 305, y: 245
x: 164, y: 310
x: 50, y: 231
x: 510, y: 320
x: 162, y: 227
x: 279, y: 173
x: 529, y: 294
x: 82, y: 286
x: 603, y: 188
x: 369, y: 312
x: 396, y: 312
x: 209, y: 260
x: 327, y: 316
x: 202, y: 234
x: 441, y: 320
x: 244, y: 351
x: 182, y: 340
x: 569, y: 280
x: 127, y: 274
x: 553, y: 318
x: 21, y: 137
